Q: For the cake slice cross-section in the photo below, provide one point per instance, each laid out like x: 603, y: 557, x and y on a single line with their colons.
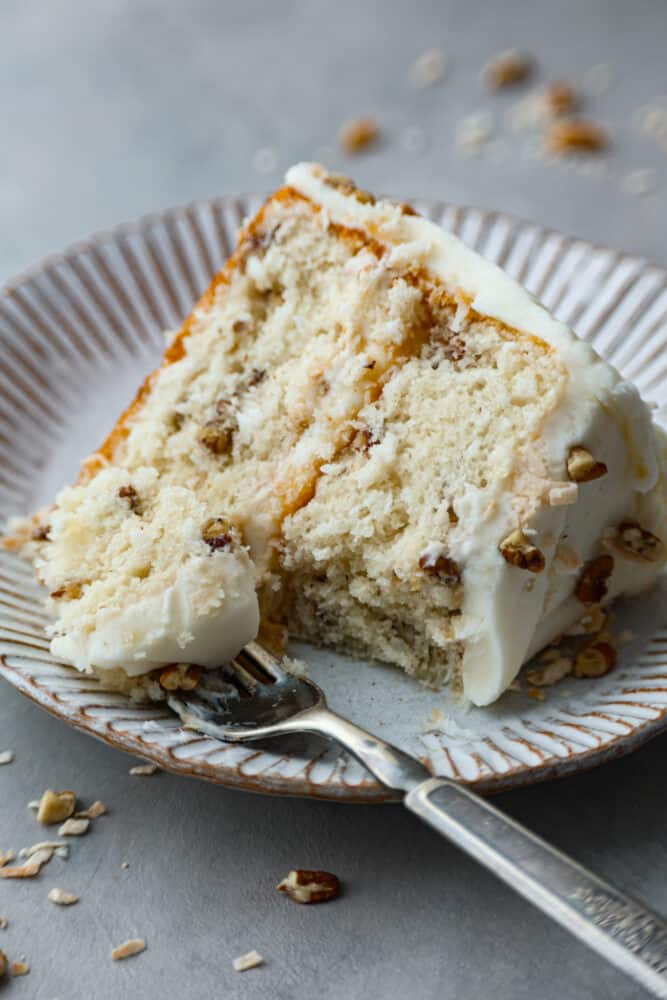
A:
x: 371, y: 436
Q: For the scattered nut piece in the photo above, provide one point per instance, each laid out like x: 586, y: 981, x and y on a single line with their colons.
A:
x: 429, y: 68
x: 309, y: 886
x: 92, y: 812
x: 357, y: 135
x: 595, y: 660
x: 217, y: 533
x: 536, y: 694
x: 561, y: 98
x: 4, y: 923
x: 593, y: 621
x: 550, y: 673
x: 4, y: 964
x: 29, y: 868
x: 441, y: 566
x: 44, y: 845
x: 347, y: 186
x: 144, y: 770
x: 180, y: 677
x: 6, y: 857
x: 592, y: 584
x: 41, y: 533
x: 125, y: 865
x: 33, y: 804
x: 576, y: 135
x: 634, y: 542
x: 507, y: 69
x: 248, y: 961
x: 54, y: 807
x: 582, y: 467
x: 6, y: 757
x: 74, y: 828
x: 20, y: 969
x: 62, y: 897
x: 518, y: 551
x: 132, y: 947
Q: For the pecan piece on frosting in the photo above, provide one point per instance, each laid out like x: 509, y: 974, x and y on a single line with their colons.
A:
x: 519, y: 551
x: 635, y: 542
x: 441, y: 566
x: 130, y: 494
x: 592, y: 584
x: 582, y: 467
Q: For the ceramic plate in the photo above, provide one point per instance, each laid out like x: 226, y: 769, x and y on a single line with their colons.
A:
x: 77, y: 334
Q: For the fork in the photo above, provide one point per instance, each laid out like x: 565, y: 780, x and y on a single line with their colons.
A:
x: 255, y: 699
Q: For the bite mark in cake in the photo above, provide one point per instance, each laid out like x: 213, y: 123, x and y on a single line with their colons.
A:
x: 384, y: 435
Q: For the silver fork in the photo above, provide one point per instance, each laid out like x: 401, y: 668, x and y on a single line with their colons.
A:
x: 256, y: 700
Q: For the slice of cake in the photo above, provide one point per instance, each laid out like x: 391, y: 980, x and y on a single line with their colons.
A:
x: 380, y: 438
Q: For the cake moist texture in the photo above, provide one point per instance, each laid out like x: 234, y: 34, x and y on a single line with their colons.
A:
x: 368, y: 434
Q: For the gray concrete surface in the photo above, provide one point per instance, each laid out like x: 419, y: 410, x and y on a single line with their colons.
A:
x: 111, y: 108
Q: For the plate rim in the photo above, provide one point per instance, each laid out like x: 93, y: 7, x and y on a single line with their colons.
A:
x: 366, y: 791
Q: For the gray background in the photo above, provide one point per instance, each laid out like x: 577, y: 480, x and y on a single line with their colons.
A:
x: 112, y: 108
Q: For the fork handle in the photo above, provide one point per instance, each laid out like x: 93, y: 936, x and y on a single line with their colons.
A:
x: 620, y: 929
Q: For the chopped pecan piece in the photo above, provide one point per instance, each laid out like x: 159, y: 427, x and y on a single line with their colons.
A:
x: 41, y: 533
x: 130, y: 494
x: 561, y: 98
x: 309, y: 886
x: 441, y: 566
x: 357, y: 135
x: 4, y: 964
x: 217, y: 533
x: 256, y: 376
x: 635, y: 542
x: 71, y: 591
x: 180, y: 677
x: 592, y: 584
x: 595, y: 660
x: 575, y: 135
x: 217, y: 434
x: 518, y: 551
x: 582, y: 467
x: 507, y: 69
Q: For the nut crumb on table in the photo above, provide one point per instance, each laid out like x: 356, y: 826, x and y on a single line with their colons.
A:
x: 358, y: 134
x: 54, y: 807
x: 20, y: 968
x: 74, y: 828
x: 61, y: 897
x: 6, y: 757
x: 144, y: 770
x: 133, y: 946
x: 248, y: 961
x: 305, y: 886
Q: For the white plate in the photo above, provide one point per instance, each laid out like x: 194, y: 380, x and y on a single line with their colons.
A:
x: 77, y: 334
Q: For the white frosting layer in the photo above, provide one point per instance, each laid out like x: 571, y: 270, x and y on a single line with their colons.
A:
x: 509, y: 614
x: 169, y: 627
